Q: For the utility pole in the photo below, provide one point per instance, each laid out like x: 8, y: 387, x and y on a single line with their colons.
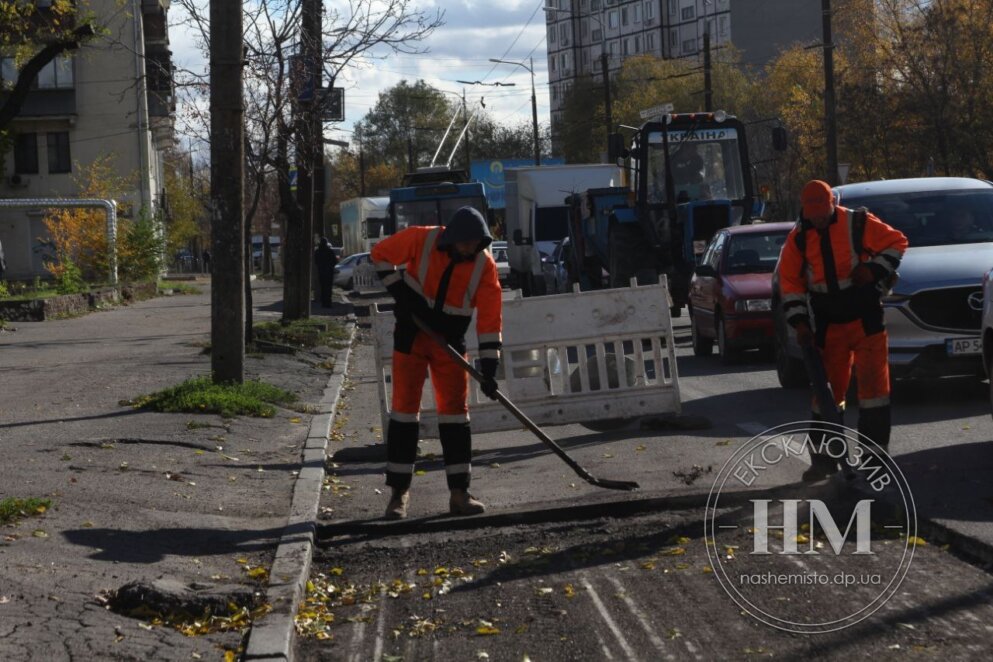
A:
x: 534, y: 119
x: 361, y: 169
x: 830, y: 118
x: 605, y: 68
x: 309, y: 139
x: 227, y: 188
x: 708, y: 90
x: 465, y: 114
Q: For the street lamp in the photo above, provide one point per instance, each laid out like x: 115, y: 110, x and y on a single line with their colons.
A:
x: 534, y: 105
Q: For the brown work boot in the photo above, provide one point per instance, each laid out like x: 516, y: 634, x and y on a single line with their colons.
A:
x: 397, y: 507
x: 463, y: 503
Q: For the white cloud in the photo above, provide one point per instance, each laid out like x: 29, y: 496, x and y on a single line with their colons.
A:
x: 474, y: 31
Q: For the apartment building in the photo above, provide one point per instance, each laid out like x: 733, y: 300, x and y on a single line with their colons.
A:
x: 113, y: 96
x: 580, y: 32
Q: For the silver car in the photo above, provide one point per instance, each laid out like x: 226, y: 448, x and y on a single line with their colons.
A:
x: 343, y: 272
x: 934, y: 312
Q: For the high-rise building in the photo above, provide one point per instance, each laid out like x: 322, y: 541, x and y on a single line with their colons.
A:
x: 582, y: 33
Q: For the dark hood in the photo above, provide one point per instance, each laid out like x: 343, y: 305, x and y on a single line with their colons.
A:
x: 467, y: 224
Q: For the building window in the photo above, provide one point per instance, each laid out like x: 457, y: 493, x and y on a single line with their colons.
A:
x: 649, y: 10
x: 673, y: 38
x: 551, y: 35
x: 612, y: 19
x: 57, y: 74
x: 650, y: 41
x: 551, y: 64
x: 564, y: 62
x: 723, y: 22
x: 26, y: 154
x: 689, y: 45
x: 626, y: 47
x: 563, y: 35
x: 595, y: 5
x: 584, y: 27
x: 637, y: 13
x: 58, y: 153
x: 637, y: 44
x: 597, y: 35
x: 586, y: 56
x: 672, y: 7
x: 613, y: 48
x: 555, y: 92
x: 624, y: 16
x: 688, y: 13
x: 8, y: 73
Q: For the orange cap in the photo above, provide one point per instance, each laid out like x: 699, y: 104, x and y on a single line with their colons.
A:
x: 817, y: 199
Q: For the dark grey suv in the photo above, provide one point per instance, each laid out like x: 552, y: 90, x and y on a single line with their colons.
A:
x: 934, y: 312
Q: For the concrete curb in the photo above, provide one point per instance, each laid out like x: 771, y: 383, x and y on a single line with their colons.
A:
x: 273, y: 638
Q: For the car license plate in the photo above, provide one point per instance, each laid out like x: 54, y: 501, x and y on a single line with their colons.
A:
x: 964, y: 346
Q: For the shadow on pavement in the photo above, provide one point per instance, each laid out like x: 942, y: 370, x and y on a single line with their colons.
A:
x: 952, y: 482
x: 152, y: 546
x: 65, y: 419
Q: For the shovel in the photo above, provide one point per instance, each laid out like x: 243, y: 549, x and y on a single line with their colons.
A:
x: 825, y: 397
x: 523, y: 418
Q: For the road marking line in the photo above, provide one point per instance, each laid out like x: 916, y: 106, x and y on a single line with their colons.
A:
x: 377, y: 653
x: 603, y: 646
x: 639, y: 615
x: 358, y: 633
x: 607, y: 619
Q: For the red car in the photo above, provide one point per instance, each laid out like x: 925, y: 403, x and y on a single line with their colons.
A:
x: 731, y: 290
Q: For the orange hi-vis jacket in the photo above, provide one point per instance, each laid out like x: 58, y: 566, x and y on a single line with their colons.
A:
x: 824, y: 270
x: 473, y: 284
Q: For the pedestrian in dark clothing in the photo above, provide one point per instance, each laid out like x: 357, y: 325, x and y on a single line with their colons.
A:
x: 326, y: 261
x: 206, y: 261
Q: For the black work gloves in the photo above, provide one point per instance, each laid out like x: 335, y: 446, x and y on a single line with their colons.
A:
x: 488, y: 368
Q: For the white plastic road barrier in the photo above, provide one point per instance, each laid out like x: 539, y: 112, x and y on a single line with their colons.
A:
x: 365, y: 280
x: 567, y: 358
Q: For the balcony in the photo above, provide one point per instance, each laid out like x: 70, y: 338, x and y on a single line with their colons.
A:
x: 47, y: 103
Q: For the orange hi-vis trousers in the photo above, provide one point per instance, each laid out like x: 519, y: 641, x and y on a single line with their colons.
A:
x: 846, y: 344
x: 451, y: 388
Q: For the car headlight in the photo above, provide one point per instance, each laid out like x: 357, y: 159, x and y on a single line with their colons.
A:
x: 753, y: 305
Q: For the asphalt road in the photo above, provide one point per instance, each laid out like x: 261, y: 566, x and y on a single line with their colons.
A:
x: 559, y: 570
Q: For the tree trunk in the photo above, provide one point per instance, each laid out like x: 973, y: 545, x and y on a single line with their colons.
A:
x: 227, y: 192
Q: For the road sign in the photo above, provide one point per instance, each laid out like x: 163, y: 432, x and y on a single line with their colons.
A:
x: 293, y: 178
x: 332, y: 104
x: 656, y: 111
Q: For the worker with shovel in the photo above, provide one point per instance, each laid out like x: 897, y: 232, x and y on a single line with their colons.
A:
x: 448, y: 274
x: 842, y: 260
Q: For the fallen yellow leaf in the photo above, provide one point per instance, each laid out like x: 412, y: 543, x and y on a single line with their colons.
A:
x: 485, y: 630
x: 673, y: 551
x: 295, y: 419
x: 570, y: 591
x: 915, y: 540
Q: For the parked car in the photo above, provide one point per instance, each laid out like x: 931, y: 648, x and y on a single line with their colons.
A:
x: 987, y: 326
x: 933, y: 314
x: 499, y: 251
x: 555, y: 268
x: 730, y: 297
x: 343, y: 272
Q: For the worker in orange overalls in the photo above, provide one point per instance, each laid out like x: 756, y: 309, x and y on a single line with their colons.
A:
x: 842, y: 261
x: 448, y: 274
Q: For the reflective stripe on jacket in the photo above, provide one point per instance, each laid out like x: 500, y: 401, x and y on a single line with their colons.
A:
x: 830, y: 259
x: 474, y: 284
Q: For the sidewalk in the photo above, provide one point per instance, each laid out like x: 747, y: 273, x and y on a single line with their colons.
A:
x: 193, y: 501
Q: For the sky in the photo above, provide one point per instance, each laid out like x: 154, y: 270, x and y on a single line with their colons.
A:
x: 473, y: 32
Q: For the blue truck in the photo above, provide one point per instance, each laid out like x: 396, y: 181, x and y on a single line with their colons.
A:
x: 689, y: 176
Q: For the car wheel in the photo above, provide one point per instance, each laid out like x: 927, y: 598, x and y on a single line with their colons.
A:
x: 790, y: 371
x: 726, y: 353
x: 701, y: 346
x: 350, y: 284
